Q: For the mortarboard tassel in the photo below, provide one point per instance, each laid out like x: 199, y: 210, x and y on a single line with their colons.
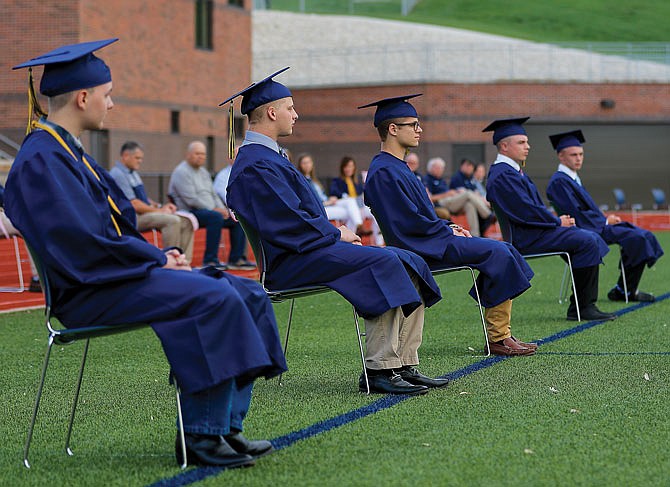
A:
x: 231, y: 132
x: 34, y: 107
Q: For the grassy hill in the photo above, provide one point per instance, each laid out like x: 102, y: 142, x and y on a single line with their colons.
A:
x: 544, y: 21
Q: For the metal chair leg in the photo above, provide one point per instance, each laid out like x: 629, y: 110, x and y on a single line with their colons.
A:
x: 563, y: 293
x: 481, y: 312
x: 76, y: 398
x: 38, y: 398
x: 623, y: 278
x: 288, y: 332
x: 180, y: 421
x: 574, y: 288
x: 360, y: 348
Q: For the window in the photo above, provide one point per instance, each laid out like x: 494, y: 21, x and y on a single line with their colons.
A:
x: 99, y: 147
x: 236, y: 3
x: 203, y: 24
x: 174, y: 122
x: 209, y: 143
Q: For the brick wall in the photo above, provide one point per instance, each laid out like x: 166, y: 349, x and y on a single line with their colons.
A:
x: 155, y: 67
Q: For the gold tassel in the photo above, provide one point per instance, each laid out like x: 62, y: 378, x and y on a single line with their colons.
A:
x: 34, y: 107
x: 231, y: 132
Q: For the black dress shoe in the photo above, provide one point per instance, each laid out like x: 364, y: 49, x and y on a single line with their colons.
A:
x: 615, y: 295
x: 241, y: 444
x: 413, y: 376
x: 211, y: 450
x: 390, y: 384
x: 591, y: 313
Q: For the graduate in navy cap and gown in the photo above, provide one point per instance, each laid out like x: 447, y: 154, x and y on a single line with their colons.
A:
x: 388, y: 287
x: 534, y: 228
x: 408, y: 220
x: 218, y: 331
x: 639, y: 247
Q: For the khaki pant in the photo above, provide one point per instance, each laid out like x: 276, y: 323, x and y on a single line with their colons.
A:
x: 177, y: 231
x: 498, y: 321
x: 392, y: 340
x: 470, y: 203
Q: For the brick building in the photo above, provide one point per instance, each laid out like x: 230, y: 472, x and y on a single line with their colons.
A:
x: 175, y: 61
x: 627, y: 127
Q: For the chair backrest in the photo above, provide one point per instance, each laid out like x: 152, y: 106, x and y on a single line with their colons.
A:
x: 659, y: 197
x: 256, y: 245
x: 503, y: 221
x: 619, y: 196
x: 44, y: 278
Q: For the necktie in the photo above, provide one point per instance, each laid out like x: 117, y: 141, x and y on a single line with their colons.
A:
x: 283, y: 153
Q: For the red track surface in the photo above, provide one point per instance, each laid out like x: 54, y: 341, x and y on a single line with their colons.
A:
x: 654, y: 221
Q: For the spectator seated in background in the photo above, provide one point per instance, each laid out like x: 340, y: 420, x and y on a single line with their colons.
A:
x: 413, y: 162
x: 348, y: 185
x: 345, y: 210
x: 177, y: 230
x: 479, y: 181
x: 465, y: 179
x: 192, y: 189
x: 388, y: 287
x: 639, y: 247
x: 409, y: 221
x: 456, y: 201
x: 217, y: 330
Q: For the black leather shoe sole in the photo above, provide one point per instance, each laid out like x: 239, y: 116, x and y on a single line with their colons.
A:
x: 593, y: 317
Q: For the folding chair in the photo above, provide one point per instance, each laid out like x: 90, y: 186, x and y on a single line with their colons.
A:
x: 278, y: 296
x: 19, y: 267
x: 67, y: 336
x: 447, y: 269
x: 564, y: 288
x: 506, y: 230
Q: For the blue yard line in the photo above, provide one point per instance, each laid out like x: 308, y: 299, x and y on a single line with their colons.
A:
x: 603, y: 354
x: 281, y: 442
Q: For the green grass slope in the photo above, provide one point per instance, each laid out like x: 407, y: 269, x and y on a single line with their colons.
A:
x: 542, y: 21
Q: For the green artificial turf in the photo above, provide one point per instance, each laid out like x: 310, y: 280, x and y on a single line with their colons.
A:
x: 543, y: 20
x: 588, y: 409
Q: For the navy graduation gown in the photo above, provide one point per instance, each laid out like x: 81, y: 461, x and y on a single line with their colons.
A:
x: 638, y: 246
x: 211, y: 329
x: 407, y: 219
x: 303, y: 248
x: 338, y: 187
x: 536, y: 229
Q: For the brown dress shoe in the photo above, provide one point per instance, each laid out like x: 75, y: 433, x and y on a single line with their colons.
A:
x: 509, y: 347
x: 532, y: 346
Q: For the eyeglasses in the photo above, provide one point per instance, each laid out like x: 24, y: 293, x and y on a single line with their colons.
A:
x: 414, y: 125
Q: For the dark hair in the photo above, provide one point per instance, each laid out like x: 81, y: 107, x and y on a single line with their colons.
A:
x: 346, y: 160
x: 465, y: 160
x: 383, y: 129
x: 130, y: 146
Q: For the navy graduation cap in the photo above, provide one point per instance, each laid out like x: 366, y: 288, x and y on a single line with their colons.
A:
x: 254, y: 96
x: 567, y: 139
x: 506, y: 127
x: 67, y: 68
x: 394, y: 107
x: 71, y: 67
x: 260, y: 93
